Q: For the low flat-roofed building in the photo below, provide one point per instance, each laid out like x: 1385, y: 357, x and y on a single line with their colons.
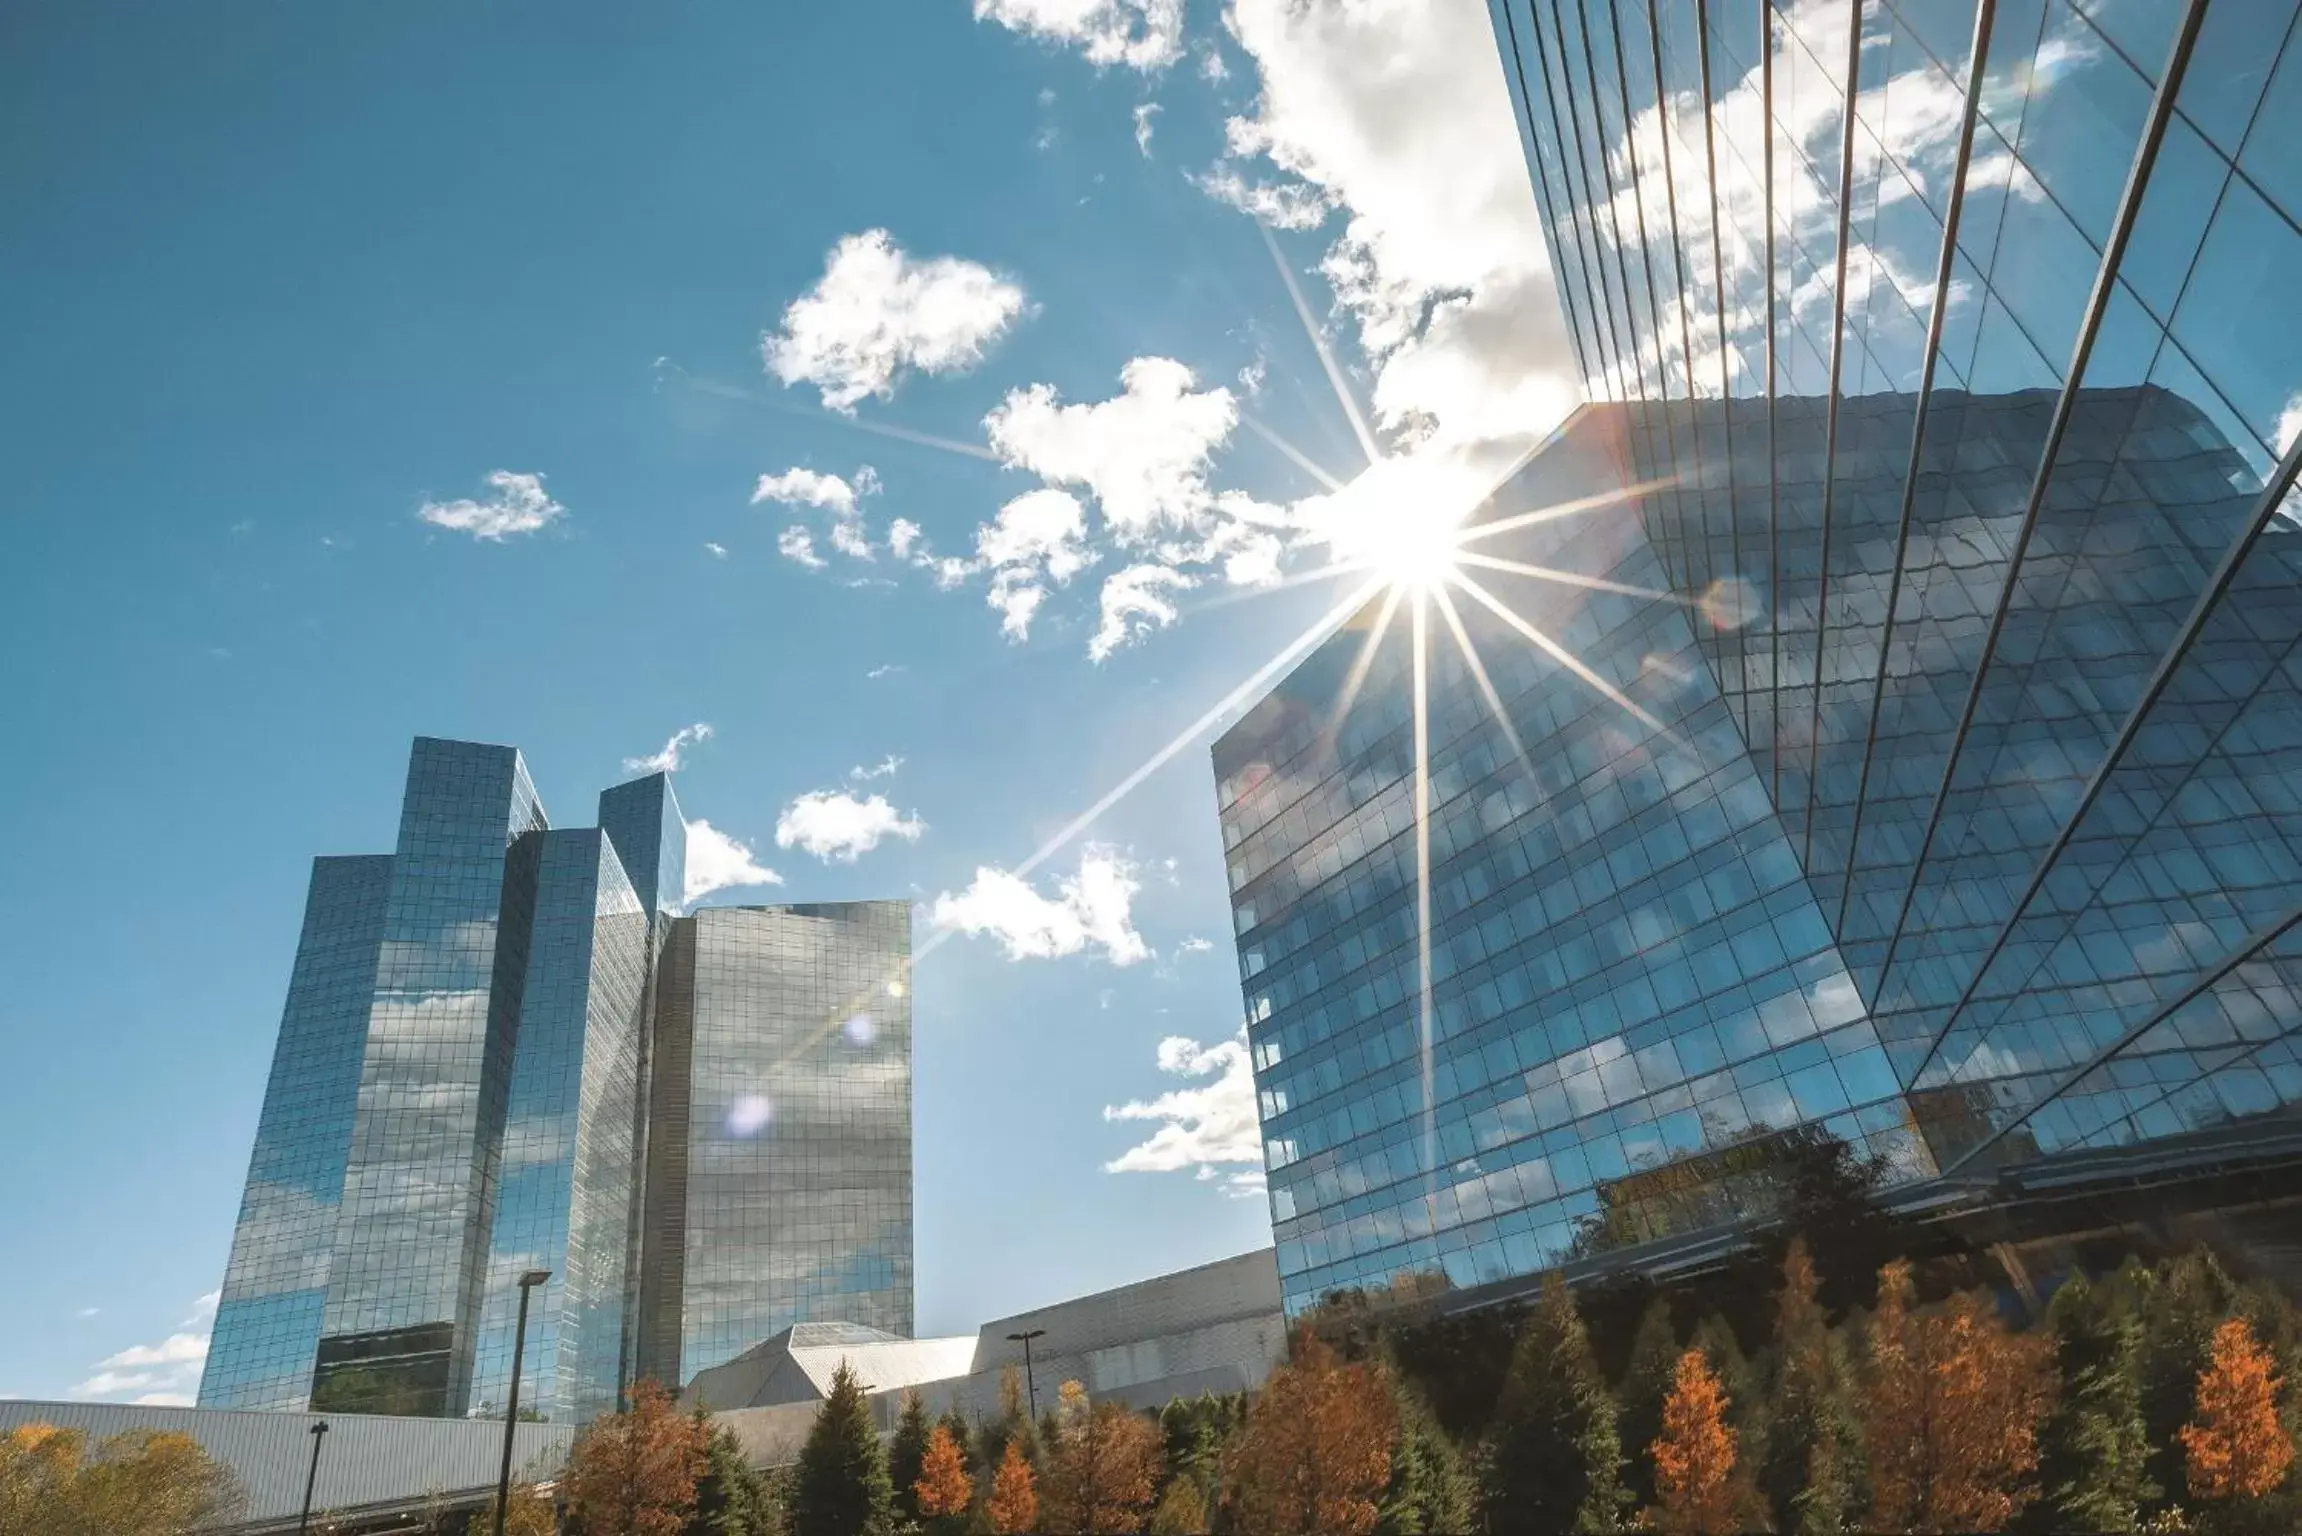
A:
x: 372, y: 1466
x: 1213, y: 1328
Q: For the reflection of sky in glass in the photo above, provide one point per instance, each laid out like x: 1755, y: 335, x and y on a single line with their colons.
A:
x: 797, y: 1169
x: 2006, y: 760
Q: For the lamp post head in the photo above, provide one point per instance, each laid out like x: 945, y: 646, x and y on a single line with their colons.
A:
x: 319, y: 1428
x: 534, y: 1277
x: 1027, y: 1335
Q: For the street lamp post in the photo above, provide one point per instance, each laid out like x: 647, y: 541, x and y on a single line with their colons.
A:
x: 1024, y: 1338
x: 528, y: 1282
x: 304, y: 1520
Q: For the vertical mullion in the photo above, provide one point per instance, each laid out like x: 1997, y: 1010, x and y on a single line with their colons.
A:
x: 1557, y: 250
x: 1984, y: 15
x: 1718, y: 287
x: 1773, y: 470
x: 1830, y: 425
x: 2065, y: 404
x: 1586, y: 258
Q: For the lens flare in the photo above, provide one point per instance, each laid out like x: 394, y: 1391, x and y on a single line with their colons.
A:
x: 749, y: 1115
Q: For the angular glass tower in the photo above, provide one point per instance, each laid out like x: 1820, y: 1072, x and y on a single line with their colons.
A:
x: 464, y: 1090
x: 1945, y: 363
x: 780, y: 1154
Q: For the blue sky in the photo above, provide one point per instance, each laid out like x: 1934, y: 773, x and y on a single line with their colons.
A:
x: 906, y: 392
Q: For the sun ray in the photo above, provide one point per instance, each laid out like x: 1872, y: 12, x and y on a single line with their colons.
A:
x: 1421, y: 628
x: 1287, y: 656
x: 1361, y: 666
x: 1335, y: 378
x: 1563, y: 656
x: 1302, y: 460
x: 1573, y: 578
x: 1559, y: 509
x: 723, y: 391
x: 1486, y: 684
x: 1295, y: 579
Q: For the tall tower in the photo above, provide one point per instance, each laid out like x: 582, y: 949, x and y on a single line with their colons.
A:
x: 493, y: 1038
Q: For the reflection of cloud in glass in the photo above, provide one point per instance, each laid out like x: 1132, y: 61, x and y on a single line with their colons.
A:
x: 749, y: 1115
x: 859, y: 1030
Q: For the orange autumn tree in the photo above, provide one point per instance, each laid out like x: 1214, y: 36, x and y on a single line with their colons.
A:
x: 1014, y: 1502
x: 1696, y: 1490
x: 944, y: 1488
x: 635, y: 1472
x: 2234, y: 1444
x: 1316, y: 1453
x: 1102, y: 1469
x: 1951, y: 1410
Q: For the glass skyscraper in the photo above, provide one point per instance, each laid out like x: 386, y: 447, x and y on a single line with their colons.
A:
x: 1945, y: 363
x: 466, y: 1088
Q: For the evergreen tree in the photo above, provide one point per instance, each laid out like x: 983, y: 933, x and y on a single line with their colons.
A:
x: 841, y: 1486
x: 1431, y: 1491
x: 2093, y: 1449
x: 1009, y: 1425
x: 731, y: 1499
x: 1181, y: 1510
x: 1805, y: 1466
x: 906, y: 1452
x: 1646, y: 1382
x: 2181, y: 1303
x: 1553, y: 1461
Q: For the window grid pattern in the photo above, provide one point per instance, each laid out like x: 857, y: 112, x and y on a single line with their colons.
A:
x: 797, y: 1159
x: 268, y: 1318
x: 2037, y: 746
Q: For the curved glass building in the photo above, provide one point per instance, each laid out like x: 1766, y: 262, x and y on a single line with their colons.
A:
x: 1923, y: 768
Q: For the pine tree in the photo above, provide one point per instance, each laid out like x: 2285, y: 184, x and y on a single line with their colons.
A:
x: 1014, y: 1503
x: 1431, y: 1491
x: 1553, y: 1461
x: 906, y: 1451
x: 1804, y: 1468
x: 841, y: 1486
x: 1646, y: 1383
x: 2234, y: 1445
x: 943, y: 1489
x: 2093, y: 1449
x: 2181, y: 1302
x: 731, y: 1499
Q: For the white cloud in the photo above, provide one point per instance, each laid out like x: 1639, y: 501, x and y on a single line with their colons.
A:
x: 1135, y: 602
x: 883, y: 769
x: 1194, y: 945
x: 836, y: 825
x: 879, y: 312
x: 1142, y: 454
x: 519, y: 505
x: 797, y: 487
x: 884, y: 669
x: 718, y: 862
x: 674, y: 753
x: 1144, y: 112
x: 165, y: 1372
x: 1038, y: 537
x: 1141, y: 34
x: 1396, y: 111
x: 1212, y: 69
x: 1204, y: 1127
x: 1089, y: 911
x: 718, y: 551
x: 797, y: 544
x: 903, y: 535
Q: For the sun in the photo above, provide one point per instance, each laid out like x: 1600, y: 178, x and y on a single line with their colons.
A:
x: 1401, y: 521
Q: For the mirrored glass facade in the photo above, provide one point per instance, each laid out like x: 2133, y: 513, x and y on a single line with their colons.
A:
x: 780, y: 1177
x: 465, y: 1089
x: 1951, y: 352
